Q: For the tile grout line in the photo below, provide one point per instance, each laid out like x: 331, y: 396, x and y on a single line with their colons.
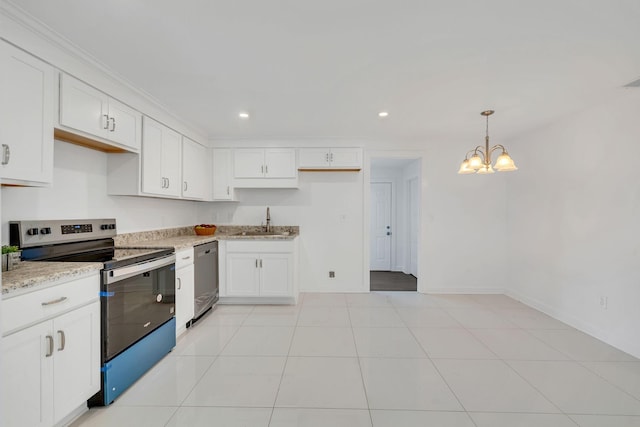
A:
x: 355, y: 345
x: 286, y: 362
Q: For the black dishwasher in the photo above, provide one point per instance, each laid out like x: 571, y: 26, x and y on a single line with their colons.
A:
x: 206, y: 277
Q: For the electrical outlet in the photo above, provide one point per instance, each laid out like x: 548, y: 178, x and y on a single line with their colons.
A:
x: 332, y: 275
x: 604, y: 302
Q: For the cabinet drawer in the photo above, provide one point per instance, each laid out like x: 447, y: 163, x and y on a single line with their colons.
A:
x: 27, y: 309
x: 278, y: 246
x: 184, y: 258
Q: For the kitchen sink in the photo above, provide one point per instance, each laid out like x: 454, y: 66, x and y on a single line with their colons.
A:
x: 260, y: 233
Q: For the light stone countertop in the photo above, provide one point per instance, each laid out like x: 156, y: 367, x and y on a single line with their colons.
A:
x: 32, y: 274
x: 35, y: 274
x: 186, y: 241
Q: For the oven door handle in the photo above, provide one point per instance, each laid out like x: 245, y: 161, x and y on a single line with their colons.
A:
x: 123, y: 273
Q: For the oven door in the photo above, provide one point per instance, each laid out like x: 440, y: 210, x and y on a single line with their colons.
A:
x: 136, y: 299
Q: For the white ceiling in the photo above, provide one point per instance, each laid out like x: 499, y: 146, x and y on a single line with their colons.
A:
x: 325, y: 68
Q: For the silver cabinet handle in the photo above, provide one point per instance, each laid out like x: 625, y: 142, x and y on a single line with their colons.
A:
x: 6, y: 154
x: 256, y: 263
x: 326, y: 157
x: 266, y: 169
x: 179, y: 283
x: 168, y: 183
x: 227, y: 190
x: 106, y: 121
x: 62, y: 340
x: 186, y: 185
x: 50, y: 351
x: 262, y: 169
x: 260, y: 263
x: 186, y: 257
x: 55, y: 301
x: 113, y: 124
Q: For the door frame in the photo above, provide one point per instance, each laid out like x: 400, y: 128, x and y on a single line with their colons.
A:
x: 394, y: 154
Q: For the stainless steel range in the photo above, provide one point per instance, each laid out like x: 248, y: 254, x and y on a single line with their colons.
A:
x: 137, y: 293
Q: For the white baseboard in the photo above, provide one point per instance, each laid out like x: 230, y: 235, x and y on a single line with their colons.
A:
x: 633, y: 348
x: 457, y: 291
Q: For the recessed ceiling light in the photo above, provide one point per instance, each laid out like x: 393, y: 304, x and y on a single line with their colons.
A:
x: 383, y: 114
x: 243, y: 115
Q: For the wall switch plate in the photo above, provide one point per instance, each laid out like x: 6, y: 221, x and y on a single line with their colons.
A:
x: 332, y: 275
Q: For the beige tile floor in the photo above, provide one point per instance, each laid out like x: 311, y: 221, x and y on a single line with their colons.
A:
x: 383, y: 359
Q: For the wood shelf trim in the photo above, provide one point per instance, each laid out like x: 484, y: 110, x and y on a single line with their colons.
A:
x: 329, y: 170
x: 83, y: 141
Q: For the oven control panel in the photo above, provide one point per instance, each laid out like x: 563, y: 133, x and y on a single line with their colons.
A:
x: 48, y: 232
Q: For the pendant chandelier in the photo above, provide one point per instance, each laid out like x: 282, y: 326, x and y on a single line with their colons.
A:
x: 480, y: 161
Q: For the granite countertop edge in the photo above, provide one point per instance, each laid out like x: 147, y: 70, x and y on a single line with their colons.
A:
x: 31, y: 275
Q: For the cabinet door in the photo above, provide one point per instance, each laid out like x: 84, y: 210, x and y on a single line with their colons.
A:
x: 26, y: 117
x: 83, y: 107
x: 280, y: 163
x: 275, y: 275
x: 76, y: 360
x: 172, y: 161
x: 184, y: 295
x: 346, y: 157
x: 27, y: 376
x: 194, y: 169
x: 152, y: 179
x: 222, y: 174
x: 248, y: 163
x: 125, y: 125
x: 243, y: 275
x: 314, y: 158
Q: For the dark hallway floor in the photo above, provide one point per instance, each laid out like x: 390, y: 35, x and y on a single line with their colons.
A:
x: 392, y: 281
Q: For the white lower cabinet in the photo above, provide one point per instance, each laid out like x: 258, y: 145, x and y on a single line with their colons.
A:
x: 262, y: 270
x: 51, y: 368
x: 185, y: 289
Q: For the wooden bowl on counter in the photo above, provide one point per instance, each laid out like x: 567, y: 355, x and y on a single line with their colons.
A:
x: 205, y: 229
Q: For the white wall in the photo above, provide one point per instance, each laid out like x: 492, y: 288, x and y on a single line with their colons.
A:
x: 573, y: 220
x: 80, y: 191
x: 328, y: 207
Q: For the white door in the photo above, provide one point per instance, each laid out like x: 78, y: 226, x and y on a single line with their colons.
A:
x: 185, y: 295
x: 274, y: 275
x: 76, y: 358
x: 314, y: 158
x: 83, y: 107
x: 172, y: 161
x: 380, y: 226
x: 152, y: 179
x: 27, y: 374
x: 280, y: 163
x: 125, y: 125
x: 414, y: 215
x: 346, y: 158
x: 248, y: 163
x: 243, y: 275
x: 26, y: 116
x: 222, y: 174
x: 194, y: 169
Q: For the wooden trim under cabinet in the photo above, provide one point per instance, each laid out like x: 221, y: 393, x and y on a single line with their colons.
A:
x: 83, y: 141
x: 329, y: 170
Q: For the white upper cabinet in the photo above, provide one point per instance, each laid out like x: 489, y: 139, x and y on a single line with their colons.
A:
x: 330, y: 158
x: 27, y: 118
x: 195, y: 174
x: 267, y: 168
x: 161, y: 159
x: 94, y: 114
x: 222, y: 178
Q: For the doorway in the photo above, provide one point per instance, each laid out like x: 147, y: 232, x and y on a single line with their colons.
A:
x: 394, y: 211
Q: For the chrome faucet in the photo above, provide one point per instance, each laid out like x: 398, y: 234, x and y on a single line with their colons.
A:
x: 268, y: 226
